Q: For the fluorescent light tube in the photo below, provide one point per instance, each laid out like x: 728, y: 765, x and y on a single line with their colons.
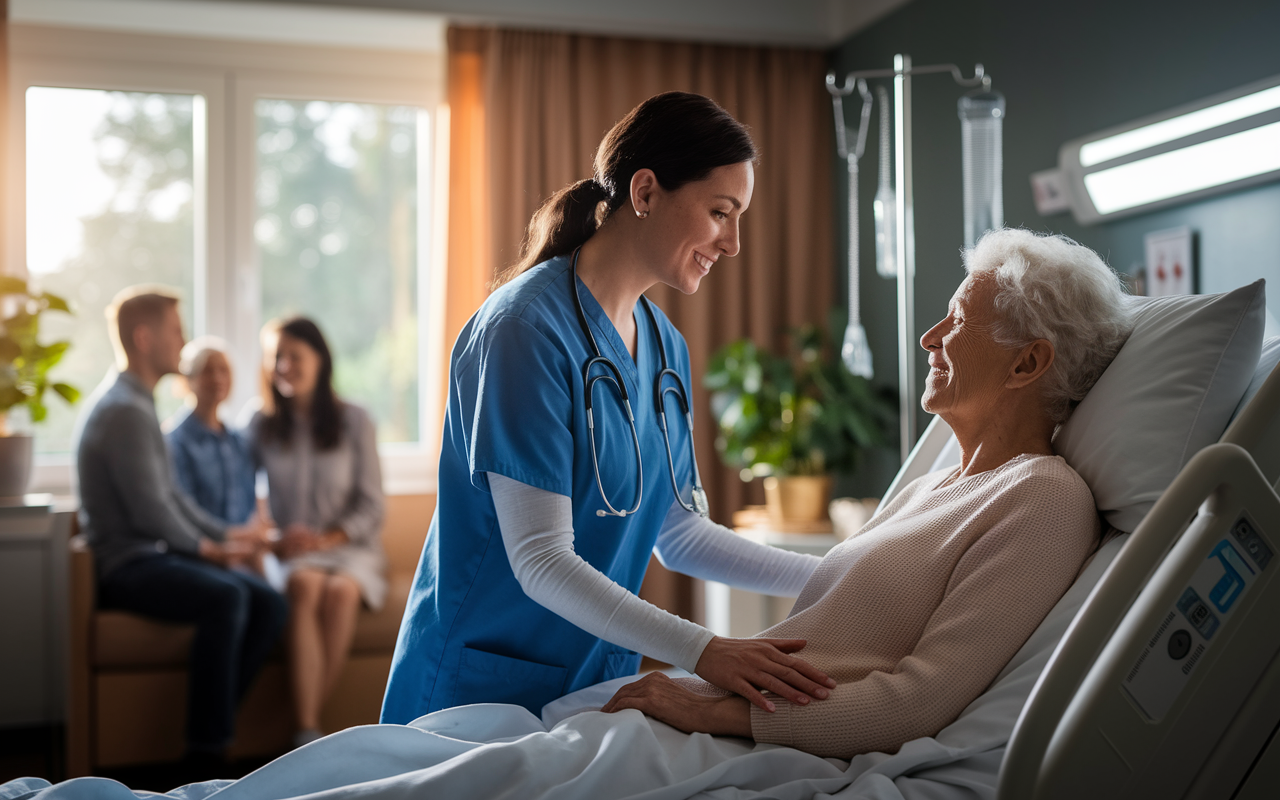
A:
x: 1122, y: 144
x: 1191, y: 169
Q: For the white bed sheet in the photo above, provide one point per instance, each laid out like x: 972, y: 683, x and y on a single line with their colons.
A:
x: 502, y: 751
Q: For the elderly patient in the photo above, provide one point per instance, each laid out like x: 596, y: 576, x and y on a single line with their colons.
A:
x: 916, y: 614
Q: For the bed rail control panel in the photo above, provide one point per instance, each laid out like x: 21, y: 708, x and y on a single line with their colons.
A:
x: 1185, y: 667
x: 1163, y: 669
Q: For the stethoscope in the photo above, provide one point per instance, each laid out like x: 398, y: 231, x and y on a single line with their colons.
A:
x: 699, y: 498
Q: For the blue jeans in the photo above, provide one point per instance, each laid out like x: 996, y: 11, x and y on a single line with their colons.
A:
x: 238, y: 619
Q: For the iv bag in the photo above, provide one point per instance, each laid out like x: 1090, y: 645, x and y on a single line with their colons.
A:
x: 982, y: 161
x: 885, y: 205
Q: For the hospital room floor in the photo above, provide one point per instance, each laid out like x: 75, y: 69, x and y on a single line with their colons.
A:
x: 39, y: 752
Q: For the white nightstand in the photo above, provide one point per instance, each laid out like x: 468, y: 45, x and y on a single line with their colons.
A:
x: 33, y: 609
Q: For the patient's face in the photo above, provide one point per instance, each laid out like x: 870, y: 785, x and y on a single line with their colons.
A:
x: 967, y: 368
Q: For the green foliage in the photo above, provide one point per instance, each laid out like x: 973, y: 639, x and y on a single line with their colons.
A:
x: 797, y: 414
x: 24, y: 362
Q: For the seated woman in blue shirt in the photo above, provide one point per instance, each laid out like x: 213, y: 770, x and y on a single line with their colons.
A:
x: 212, y: 462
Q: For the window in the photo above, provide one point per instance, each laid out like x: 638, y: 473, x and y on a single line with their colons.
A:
x: 110, y: 203
x: 261, y: 180
x: 337, y: 230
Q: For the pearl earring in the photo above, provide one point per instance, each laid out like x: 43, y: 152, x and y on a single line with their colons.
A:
x: 642, y: 214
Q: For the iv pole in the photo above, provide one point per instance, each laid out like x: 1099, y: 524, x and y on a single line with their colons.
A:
x: 905, y: 235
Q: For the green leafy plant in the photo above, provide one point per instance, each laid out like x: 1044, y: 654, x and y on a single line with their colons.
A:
x: 24, y: 362
x: 801, y: 413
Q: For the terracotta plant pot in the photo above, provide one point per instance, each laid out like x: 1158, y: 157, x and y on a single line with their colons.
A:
x: 798, y: 498
x: 15, y: 465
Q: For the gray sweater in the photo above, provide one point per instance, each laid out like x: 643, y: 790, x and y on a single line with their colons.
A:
x: 130, y: 505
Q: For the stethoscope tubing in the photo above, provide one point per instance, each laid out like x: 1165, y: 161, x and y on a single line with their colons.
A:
x: 698, y: 504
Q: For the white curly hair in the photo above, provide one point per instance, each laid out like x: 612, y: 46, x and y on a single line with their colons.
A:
x: 1050, y: 287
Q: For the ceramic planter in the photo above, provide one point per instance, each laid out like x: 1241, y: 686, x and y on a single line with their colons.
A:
x: 15, y: 465
x: 797, y: 498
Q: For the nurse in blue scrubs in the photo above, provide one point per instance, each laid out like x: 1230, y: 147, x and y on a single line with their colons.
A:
x: 561, y: 474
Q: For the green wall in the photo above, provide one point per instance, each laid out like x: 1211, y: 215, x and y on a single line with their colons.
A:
x: 1066, y: 70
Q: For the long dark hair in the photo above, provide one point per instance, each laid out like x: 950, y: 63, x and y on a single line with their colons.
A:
x: 682, y: 137
x: 278, y: 411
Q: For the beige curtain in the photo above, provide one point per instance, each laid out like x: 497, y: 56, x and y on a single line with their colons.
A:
x: 536, y: 105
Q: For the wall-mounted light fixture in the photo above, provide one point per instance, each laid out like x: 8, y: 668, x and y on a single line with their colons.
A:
x: 1225, y: 142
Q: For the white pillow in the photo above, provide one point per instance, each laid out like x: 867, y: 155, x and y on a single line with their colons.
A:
x: 1267, y: 363
x: 1170, y: 391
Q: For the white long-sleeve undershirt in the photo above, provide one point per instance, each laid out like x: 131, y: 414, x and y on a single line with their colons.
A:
x: 537, y: 531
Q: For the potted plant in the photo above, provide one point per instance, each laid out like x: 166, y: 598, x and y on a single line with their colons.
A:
x: 794, y: 419
x: 24, y: 374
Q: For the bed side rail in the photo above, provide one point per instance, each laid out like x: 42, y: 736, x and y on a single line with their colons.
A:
x: 1059, y: 746
x: 1257, y: 429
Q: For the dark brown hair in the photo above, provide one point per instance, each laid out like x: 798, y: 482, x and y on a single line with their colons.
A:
x: 277, y: 410
x: 682, y: 137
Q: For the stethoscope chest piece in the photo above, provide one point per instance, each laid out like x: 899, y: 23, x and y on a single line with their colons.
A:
x: 700, y: 505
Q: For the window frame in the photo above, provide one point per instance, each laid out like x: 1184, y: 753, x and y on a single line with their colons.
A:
x: 231, y: 75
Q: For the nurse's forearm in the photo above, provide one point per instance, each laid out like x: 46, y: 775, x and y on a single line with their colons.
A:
x: 537, y: 531
x: 699, y: 547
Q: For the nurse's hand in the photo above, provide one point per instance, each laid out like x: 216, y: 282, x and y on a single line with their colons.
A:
x: 746, y: 666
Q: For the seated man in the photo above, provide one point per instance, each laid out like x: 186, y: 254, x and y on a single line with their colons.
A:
x: 919, y: 611
x: 157, y: 553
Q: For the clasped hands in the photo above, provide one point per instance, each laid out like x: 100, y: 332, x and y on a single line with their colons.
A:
x: 742, y: 666
x: 245, y: 543
x: 298, y: 538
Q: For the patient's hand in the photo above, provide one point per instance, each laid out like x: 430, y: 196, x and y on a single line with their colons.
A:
x: 663, y: 699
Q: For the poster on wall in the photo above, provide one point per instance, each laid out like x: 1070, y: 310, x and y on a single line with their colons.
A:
x: 1170, y: 267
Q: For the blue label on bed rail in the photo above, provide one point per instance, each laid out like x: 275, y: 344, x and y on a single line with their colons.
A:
x: 1228, y: 588
x: 1185, y: 634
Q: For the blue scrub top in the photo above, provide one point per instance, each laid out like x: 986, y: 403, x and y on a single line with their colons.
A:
x: 470, y: 634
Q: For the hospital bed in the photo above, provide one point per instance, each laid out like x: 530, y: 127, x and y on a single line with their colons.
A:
x: 1155, y: 675
x: 1168, y: 683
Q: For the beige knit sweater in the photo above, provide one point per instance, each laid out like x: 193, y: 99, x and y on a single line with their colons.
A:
x: 919, y: 611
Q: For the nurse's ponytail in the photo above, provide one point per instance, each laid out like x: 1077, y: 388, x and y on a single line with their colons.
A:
x: 682, y: 137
